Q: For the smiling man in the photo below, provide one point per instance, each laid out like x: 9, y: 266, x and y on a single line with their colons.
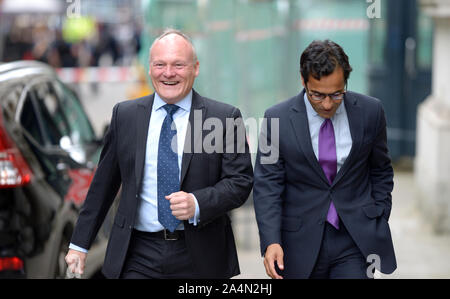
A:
x: 172, y: 219
x: 323, y: 207
x: 172, y: 71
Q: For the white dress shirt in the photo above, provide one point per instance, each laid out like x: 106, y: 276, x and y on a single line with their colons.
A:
x: 147, y: 217
x: 341, y: 127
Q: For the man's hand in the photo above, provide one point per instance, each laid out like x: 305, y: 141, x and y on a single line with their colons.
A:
x: 182, y: 205
x: 274, y: 253
x: 75, y: 261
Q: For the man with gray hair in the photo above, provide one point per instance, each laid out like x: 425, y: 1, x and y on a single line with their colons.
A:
x: 172, y: 218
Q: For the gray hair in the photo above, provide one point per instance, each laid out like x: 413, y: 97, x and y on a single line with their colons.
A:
x: 169, y: 31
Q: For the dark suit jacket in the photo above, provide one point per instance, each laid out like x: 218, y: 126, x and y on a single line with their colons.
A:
x: 219, y: 181
x: 292, y: 196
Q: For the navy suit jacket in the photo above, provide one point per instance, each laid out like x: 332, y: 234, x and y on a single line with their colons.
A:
x: 219, y: 181
x: 292, y: 196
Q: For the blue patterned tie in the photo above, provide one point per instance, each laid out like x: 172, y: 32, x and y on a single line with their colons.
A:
x: 168, y: 173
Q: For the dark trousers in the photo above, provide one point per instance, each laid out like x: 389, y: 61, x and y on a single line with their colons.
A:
x: 150, y: 257
x: 339, y: 256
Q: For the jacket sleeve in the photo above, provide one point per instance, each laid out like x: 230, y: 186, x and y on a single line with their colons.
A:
x: 102, y: 191
x: 269, y: 186
x: 236, y: 182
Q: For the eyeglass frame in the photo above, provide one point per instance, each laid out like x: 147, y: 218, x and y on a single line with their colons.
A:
x: 325, y: 95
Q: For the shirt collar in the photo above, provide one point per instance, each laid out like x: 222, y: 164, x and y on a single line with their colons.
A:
x: 310, y: 110
x: 184, y: 103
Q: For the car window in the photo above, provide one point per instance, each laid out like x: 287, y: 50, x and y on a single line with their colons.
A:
x: 53, y: 120
x: 29, y: 120
x: 81, y: 131
x: 64, y: 122
x: 35, y: 123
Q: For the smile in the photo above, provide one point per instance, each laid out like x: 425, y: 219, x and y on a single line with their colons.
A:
x: 170, y: 82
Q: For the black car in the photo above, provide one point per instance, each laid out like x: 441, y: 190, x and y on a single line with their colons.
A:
x: 48, y: 154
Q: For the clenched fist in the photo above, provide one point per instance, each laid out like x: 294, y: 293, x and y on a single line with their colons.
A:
x: 182, y: 205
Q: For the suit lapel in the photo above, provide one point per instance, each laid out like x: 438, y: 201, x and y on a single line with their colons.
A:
x: 355, y: 122
x: 299, y: 121
x: 143, y: 113
x: 193, y: 133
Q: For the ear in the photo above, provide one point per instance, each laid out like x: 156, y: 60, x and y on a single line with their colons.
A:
x: 197, y: 68
x: 303, y: 81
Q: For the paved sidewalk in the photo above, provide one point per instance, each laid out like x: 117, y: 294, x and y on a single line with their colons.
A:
x: 420, y: 253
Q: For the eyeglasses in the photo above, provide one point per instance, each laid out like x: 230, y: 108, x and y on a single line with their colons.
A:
x: 318, y: 96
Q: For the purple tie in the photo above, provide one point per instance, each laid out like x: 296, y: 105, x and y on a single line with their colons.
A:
x: 327, y: 159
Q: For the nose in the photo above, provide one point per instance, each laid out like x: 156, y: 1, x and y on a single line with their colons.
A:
x: 169, y: 71
x: 327, y: 103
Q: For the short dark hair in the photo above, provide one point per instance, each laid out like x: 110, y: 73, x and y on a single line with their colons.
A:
x: 320, y: 58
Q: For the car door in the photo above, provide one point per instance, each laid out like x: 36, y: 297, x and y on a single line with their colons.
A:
x: 61, y: 137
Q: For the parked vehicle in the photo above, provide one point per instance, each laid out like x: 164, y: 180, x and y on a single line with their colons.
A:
x: 48, y: 153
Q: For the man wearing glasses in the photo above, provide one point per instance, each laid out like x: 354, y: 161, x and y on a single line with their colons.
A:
x: 323, y: 206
